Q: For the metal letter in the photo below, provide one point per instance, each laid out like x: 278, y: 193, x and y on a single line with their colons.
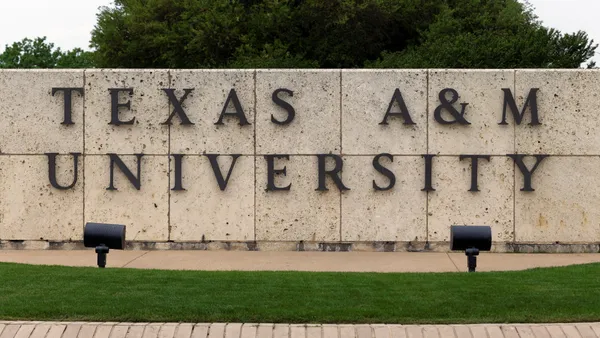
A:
x: 177, y: 108
x: 384, y: 171
x: 115, y: 105
x: 474, y: 167
x: 136, y: 181
x: 531, y: 101
x: 271, y: 172
x: 288, y: 107
x: 527, y: 174
x: 239, y: 112
x: 459, y: 117
x: 215, y: 167
x: 178, y: 168
x: 334, y: 173
x: 67, y: 99
x: 428, y: 172
x: 52, y: 170
x: 403, y: 110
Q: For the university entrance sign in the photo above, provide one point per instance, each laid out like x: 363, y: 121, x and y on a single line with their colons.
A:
x: 300, y: 159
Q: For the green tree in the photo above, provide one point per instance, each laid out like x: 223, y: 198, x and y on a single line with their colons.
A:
x: 76, y: 58
x: 277, y: 33
x: 38, y: 53
x: 331, y: 34
x: 167, y: 33
x: 490, y: 34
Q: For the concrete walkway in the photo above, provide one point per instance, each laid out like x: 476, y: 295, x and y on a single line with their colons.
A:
x: 233, y: 330
x: 298, y: 261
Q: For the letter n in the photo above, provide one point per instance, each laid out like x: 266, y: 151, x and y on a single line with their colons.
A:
x: 136, y: 181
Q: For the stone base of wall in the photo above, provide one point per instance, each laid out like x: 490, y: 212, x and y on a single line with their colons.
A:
x: 498, y: 247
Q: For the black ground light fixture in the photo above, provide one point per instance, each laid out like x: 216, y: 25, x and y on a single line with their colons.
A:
x: 471, y: 239
x: 104, y: 237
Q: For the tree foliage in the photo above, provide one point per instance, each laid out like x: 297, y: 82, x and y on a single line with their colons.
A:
x: 38, y: 53
x: 490, y: 34
x: 332, y: 34
x: 314, y: 34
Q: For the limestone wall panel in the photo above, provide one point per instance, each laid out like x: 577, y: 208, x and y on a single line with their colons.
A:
x: 205, y: 212
x: 31, y: 117
x: 453, y: 204
x: 302, y: 213
x: 315, y: 128
x: 568, y: 102
x: 395, y: 215
x: 30, y: 208
x: 481, y: 91
x: 144, y: 211
x: 366, y: 97
x: 149, y: 106
x: 204, y: 105
x: 564, y: 205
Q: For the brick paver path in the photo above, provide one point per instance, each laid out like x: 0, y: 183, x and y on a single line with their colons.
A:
x: 234, y: 330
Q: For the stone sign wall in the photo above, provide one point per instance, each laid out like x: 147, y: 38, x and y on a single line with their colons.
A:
x: 381, y: 160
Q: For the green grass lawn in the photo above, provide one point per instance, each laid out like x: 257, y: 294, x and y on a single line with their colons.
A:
x: 565, y: 294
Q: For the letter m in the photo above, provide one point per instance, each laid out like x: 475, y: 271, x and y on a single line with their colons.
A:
x: 531, y: 102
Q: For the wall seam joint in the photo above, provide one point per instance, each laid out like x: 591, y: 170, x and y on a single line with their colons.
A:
x: 427, y: 152
x: 169, y: 164
x: 341, y: 153
x: 514, y: 167
x: 83, y: 150
x: 254, y: 157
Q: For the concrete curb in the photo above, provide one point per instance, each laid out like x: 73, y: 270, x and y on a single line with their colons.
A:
x: 498, y: 247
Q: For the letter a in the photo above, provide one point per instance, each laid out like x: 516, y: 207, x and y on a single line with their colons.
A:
x: 397, y: 98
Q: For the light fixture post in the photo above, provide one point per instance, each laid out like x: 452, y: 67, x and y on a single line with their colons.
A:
x: 471, y: 239
x: 104, y: 237
x: 102, y: 250
x: 472, y: 254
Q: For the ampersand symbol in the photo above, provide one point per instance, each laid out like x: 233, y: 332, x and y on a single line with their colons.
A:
x: 459, y: 117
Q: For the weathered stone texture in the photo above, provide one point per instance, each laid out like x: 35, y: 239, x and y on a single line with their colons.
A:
x: 204, y: 105
x: 149, y: 107
x: 336, y: 112
x: 568, y: 102
x: 563, y: 207
x: 30, y: 208
x: 366, y: 97
x: 453, y: 204
x: 31, y: 117
x: 316, y: 99
x: 394, y: 215
x: 482, y: 90
x: 301, y: 213
x: 144, y: 211
x: 205, y: 212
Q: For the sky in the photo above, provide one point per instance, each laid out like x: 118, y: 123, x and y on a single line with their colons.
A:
x: 68, y: 23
